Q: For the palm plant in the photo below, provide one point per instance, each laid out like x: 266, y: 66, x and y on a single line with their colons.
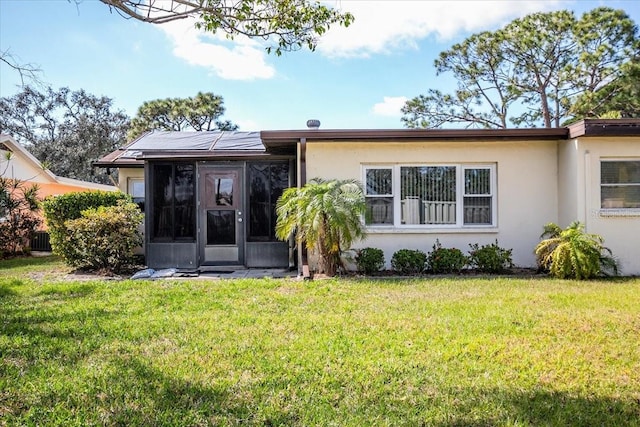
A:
x: 572, y: 253
x: 325, y: 216
x: 19, y: 207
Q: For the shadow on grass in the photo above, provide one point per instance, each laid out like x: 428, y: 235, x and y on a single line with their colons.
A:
x: 133, y: 393
x: 60, y: 329
x: 544, y: 408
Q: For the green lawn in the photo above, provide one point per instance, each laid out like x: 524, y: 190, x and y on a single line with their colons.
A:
x: 442, y: 352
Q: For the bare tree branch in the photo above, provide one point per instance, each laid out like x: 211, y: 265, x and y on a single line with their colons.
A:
x: 29, y: 72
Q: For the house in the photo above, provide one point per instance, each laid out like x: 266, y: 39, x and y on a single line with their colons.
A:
x: 17, y: 163
x: 210, y: 196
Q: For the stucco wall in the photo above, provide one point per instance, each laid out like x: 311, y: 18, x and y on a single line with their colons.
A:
x: 125, y: 174
x: 527, y: 194
x: 620, y: 230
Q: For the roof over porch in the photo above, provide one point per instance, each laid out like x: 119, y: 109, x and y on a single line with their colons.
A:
x: 158, y: 145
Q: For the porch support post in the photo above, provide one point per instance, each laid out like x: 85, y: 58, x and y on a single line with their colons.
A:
x: 303, y: 261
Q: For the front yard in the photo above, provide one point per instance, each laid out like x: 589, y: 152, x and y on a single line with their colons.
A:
x: 436, y: 351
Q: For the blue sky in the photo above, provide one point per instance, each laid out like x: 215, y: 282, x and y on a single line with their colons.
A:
x: 357, y: 78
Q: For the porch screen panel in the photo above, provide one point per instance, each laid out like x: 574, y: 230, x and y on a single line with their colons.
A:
x: 379, y: 196
x: 267, y: 181
x: 478, y: 200
x: 173, y: 191
x: 620, y: 184
x: 185, y: 202
x: 162, y: 177
x: 221, y: 227
x: 279, y: 182
x: 428, y: 194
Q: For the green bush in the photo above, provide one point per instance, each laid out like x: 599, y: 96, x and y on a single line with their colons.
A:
x: 105, y: 237
x: 408, y: 261
x: 573, y: 254
x: 445, y: 260
x: 490, y: 258
x: 369, y: 260
x: 60, y: 209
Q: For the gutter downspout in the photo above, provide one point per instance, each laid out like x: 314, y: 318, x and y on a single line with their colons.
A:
x: 303, y: 260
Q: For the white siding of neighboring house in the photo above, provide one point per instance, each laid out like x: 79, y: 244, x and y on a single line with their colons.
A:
x: 21, y: 168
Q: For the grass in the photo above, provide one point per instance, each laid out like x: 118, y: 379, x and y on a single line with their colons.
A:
x: 435, y: 352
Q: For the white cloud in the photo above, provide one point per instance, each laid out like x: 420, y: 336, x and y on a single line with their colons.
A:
x: 390, y: 106
x: 385, y: 26
x: 240, y: 59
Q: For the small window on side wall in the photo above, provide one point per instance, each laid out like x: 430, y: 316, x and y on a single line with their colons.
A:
x: 135, y: 189
x: 620, y: 184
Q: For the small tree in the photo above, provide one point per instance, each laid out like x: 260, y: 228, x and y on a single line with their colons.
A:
x: 573, y: 254
x: 325, y: 216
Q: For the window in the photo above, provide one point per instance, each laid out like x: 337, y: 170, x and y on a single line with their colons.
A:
x: 135, y: 188
x: 267, y: 181
x: 431, y: 196
x: 173, y: 191
x: 379, y: 196
x: 620, y: 184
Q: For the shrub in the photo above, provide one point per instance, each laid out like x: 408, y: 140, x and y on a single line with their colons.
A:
x: 572, y: 253
x: 105, y: 237
x: 19, y: 205
x: 490, y: 258
x: 445, y: 260
x: 369, y: 260
x: 408, y: 261
x: 60, y: 209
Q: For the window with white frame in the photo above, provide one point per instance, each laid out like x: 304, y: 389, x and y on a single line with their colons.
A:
x: 620, y: 184
x: 136, y: 191
x: 430, y: 196
x: 379, y: 196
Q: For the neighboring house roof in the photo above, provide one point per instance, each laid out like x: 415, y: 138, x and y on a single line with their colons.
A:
x: 25, y: 167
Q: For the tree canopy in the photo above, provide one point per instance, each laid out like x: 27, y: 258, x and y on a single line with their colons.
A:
x: 66, y: 130
x: 200, y: 113
x: 292, y: 23
x: 541, y: 70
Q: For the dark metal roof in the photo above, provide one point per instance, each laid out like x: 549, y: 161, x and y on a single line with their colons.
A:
x: 206, y: 144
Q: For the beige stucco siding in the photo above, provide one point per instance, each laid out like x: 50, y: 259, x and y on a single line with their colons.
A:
x: 125, y: 174
x: 620, y: 229
x: 570, y: 186
x: 526, y: 181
